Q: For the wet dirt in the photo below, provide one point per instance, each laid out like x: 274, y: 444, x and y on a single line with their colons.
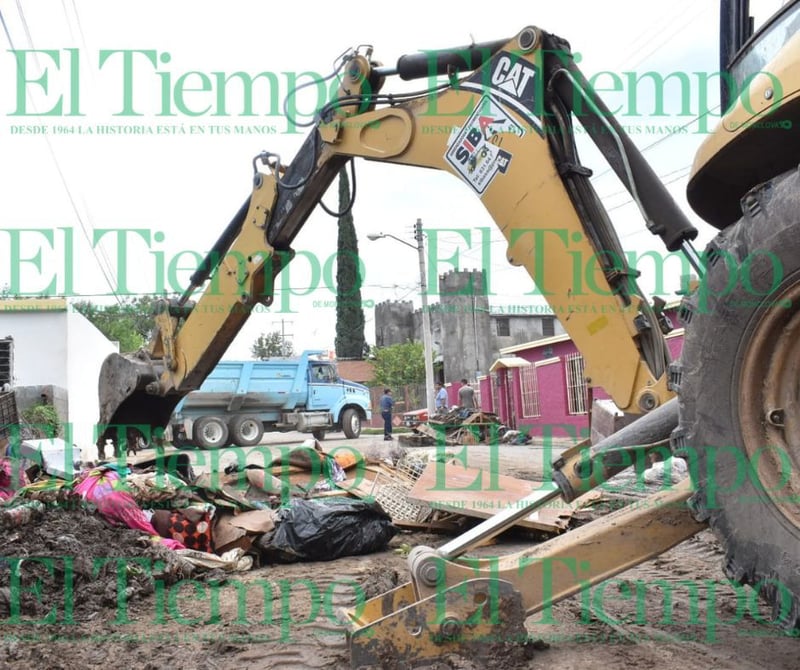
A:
x: 78, y: 593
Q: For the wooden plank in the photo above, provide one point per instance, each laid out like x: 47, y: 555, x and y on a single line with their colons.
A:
x: 333, y: 494
x: 478, y: 493
x: 428, y: 526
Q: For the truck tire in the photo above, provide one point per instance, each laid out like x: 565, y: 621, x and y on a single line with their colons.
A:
x: 179, y: 440
x: 740, y: 398
x: 351, y: 423
x: 210, y: 432
x: 246, y: 431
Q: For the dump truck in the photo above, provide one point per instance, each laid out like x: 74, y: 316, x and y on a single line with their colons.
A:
x: 502, y: 117
x: 240, y: 400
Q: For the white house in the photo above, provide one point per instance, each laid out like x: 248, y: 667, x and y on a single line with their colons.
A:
x: 48, y: 348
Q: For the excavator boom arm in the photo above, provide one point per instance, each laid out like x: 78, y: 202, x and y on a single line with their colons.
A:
x: 503, y: 126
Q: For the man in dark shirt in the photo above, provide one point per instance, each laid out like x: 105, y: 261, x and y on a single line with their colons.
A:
x: 466, y: 395
x: 387, y: 403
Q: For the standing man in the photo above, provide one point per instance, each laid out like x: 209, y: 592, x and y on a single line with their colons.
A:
x: 441, y: 398
x: 387, y: 403
x: 466, y: 395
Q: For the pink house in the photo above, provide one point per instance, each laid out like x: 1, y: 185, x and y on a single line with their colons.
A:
x: 539, y: 387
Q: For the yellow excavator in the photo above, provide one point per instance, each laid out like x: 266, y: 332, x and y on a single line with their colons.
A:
x: 500, y: 118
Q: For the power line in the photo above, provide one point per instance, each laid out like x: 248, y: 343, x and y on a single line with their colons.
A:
x: 703, y: 9
x: 657, y: 27
x: 669, y: 135
x: 105, y: 270
x: 66, y: 18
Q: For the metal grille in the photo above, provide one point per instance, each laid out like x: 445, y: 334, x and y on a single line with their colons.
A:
x: 392, y: 495
x: 530, y: 392
x: 576, y: 384
x: 6, y: 361
x: 8, y: 413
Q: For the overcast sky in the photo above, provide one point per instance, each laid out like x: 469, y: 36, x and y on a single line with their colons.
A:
x: 181, y: 190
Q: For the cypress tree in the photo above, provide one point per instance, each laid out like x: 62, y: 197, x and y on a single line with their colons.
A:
x: 350, y: 342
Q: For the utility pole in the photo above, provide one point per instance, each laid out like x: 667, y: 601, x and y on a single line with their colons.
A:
x: 427, y: 337
x: 284, y: 334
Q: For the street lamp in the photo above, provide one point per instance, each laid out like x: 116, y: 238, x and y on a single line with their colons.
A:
x: 426, y: 317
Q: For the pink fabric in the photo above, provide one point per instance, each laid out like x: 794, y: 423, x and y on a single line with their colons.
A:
x: 7, y: 486
x: 105, y: 489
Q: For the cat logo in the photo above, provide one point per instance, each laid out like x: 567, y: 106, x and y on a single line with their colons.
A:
x: 514, y: 77
x: 512, y: 80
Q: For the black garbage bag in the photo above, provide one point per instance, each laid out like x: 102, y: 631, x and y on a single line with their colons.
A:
x: 324, y: 529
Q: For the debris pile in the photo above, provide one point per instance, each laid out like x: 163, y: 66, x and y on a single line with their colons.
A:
x: 152, y: 506
x: 432, y: 491
x: 71, y: 561
x: 459, y: 426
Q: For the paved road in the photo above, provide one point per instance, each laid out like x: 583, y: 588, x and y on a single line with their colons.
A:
x: 530, y: 461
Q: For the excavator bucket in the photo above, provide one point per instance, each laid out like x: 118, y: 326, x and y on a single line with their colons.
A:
x: 128, y: 412
x: 477, y: 619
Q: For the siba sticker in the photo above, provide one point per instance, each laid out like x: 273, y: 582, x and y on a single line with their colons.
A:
x: 470, y: 149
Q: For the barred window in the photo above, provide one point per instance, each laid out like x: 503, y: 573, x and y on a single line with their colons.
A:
x: 576, y: 384
x: 530, y: 392
x: 503, y: 326
x: 548, y: 326
x: 6, y: 361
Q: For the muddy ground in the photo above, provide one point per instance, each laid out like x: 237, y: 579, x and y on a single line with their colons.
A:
x: 89, y: 595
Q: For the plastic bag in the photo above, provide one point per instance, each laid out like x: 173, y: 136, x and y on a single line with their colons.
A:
x: 324, y: 529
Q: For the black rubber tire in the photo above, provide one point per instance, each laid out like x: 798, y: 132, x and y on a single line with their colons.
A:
x: 210, y: 432
x: 246, y: 430
x: 319, y: 434
x: 179, y: 441
x: 726, y: 326
x: 351, y: 423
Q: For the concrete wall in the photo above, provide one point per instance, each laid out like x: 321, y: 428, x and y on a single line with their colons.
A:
x: 522, y: 328
x: 467, y: 349
x: 88, y: 348
x: 57, y: 396
x: 40, y: 344
x: 464, y: 327
x: 394, y: 322
x: 58, y: 353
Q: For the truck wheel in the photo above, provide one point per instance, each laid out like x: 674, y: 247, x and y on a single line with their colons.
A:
x: 318, y: 434
x: 739, y: 387
x: 179, y: 440
x: 246, y: 431
x: 210, y: 432
x: 351, y: 424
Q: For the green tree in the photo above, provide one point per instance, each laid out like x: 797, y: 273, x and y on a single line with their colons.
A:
x: 350, y: 341
x: 400, y: 364
x: 129, y: 322
x: 271, y: 345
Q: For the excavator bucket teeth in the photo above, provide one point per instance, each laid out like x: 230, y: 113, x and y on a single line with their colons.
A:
x: 477, y: 619
x: 126, y: 407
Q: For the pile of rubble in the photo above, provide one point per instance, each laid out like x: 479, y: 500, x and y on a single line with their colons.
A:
x: 288, y: 510
x: 433, y: 491
x: 459, y: 426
